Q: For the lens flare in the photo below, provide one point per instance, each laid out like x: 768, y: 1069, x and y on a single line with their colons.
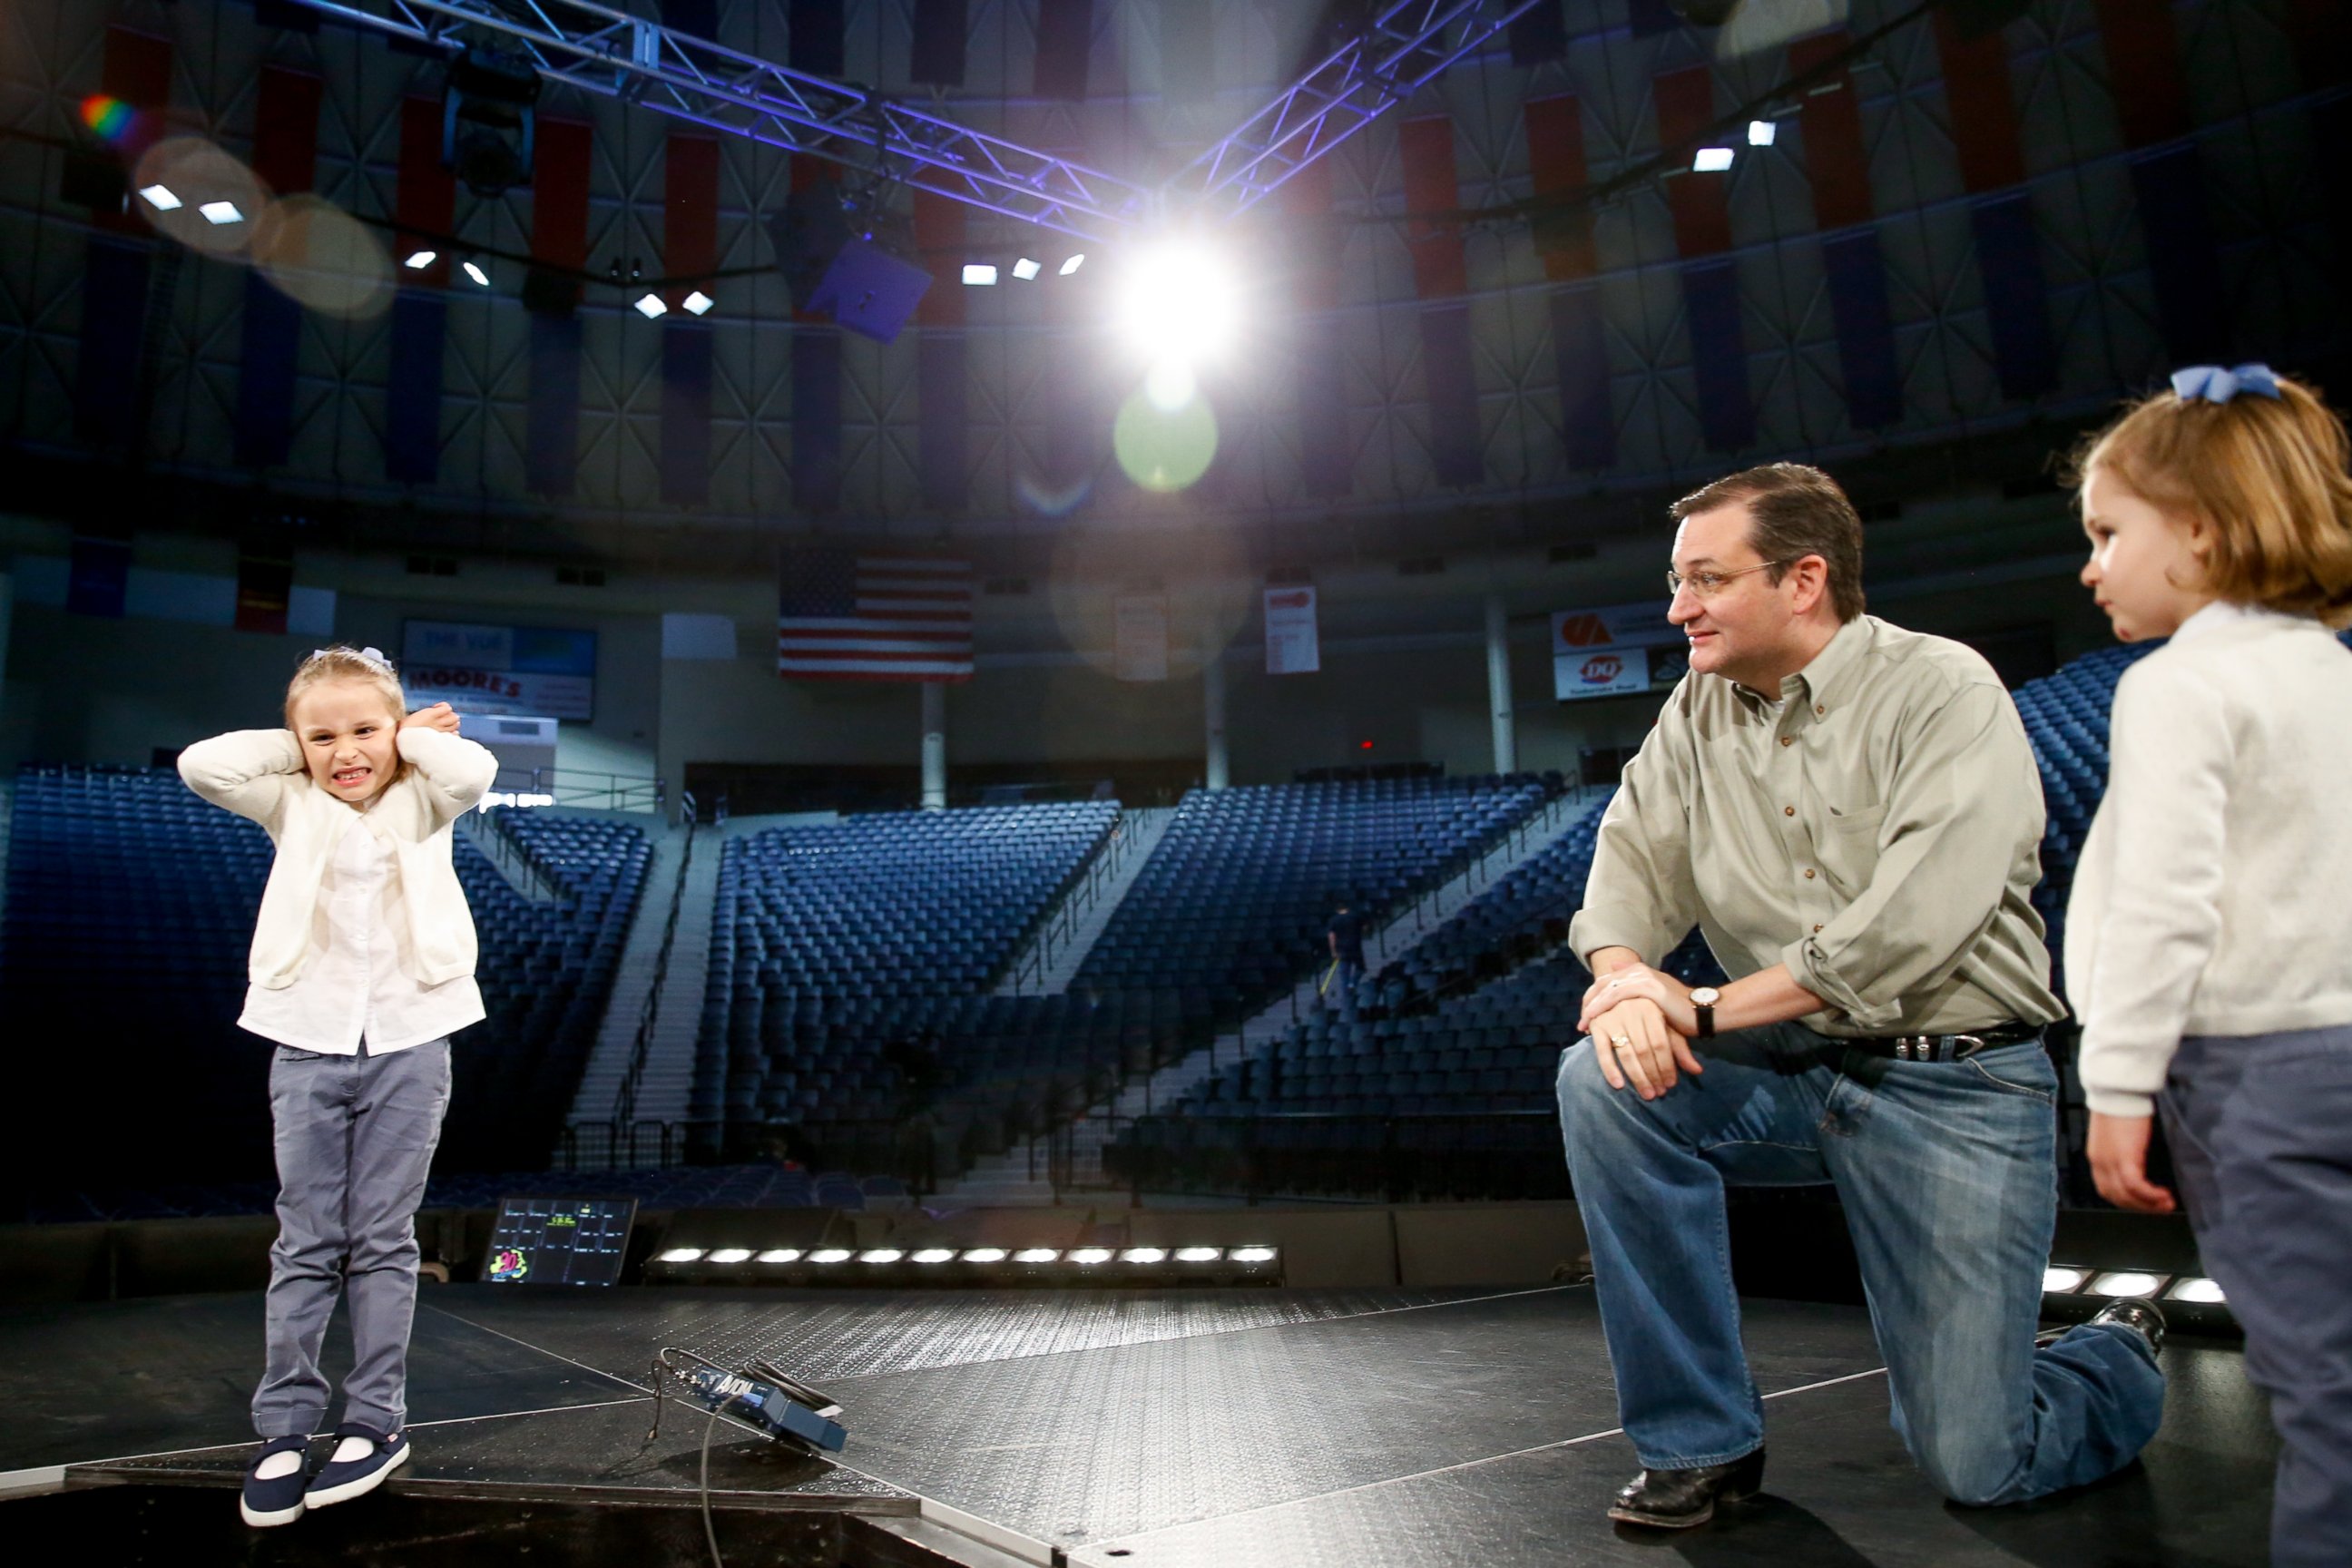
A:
x: 111, y: 118
x: 1164, y: 449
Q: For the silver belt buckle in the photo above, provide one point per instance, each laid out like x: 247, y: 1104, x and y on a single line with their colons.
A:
x: 1962, y: 1045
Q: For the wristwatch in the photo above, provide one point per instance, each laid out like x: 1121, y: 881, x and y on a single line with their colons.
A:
x: 1704, y: 998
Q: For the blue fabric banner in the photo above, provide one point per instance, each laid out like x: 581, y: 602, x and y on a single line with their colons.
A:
x: 412, y: 393
x: 551, y: 421
x: 816, y: 418
x: 686, y: 413
x: 2017, y: 302
x: 1726, y: 413
x: 941, y: 436
x: 1588, y: 425
x: 265, y: 379
x: 113, y: 328
x: 2181, y: 260
x: 1456, y: 444
x: 1866, y: 329
x: 1326, y: 456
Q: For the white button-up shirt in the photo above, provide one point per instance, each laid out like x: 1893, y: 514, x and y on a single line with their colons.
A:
x: 352, y: 989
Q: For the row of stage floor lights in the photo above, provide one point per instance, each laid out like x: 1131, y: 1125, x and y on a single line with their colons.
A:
x: 1248, y: 1265
x: 2190, y: 1301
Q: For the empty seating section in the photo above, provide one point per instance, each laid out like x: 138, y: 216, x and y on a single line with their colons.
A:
x: 1529, y: 908
x: 901, y: 903
x: 1239, y: 895
x: 131, y: 908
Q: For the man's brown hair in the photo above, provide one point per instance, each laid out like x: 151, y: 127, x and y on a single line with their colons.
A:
x: 1794, y: 511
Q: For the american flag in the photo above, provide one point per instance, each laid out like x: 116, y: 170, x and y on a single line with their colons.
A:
x: 841, y: 616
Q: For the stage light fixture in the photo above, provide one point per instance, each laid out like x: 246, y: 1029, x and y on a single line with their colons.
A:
x: 651, y: 306
x: 1026, y: 270
x: 1711, y: 161
x: 780, y: 1255
x: 474, y: 270
x: 1088, y: 1256
x: 418, y: 260
x: 221, y: 213
x: 493, y: 93
x: 933, y: 1254
x: 1179, y: 302
x: 681, y: 1254
x: 2058, y: 1281
x: 2201, y: 1291
x: 1760, y: 132
x: 984, y: 1255
x: 161, y: 198
x: 831, y: 1254
x: 979, y: 274
x: 1072, y: 265
x: 730, y: 1255
x: 880, y: 1254
x: 1144, y: 1255
x: 1200, y: 1254
x: 1035, y: 1254
x: 698, y: 303
x: 2127, y: 1283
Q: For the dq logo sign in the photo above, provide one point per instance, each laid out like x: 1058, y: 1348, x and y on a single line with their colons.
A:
x: 1601, y: 668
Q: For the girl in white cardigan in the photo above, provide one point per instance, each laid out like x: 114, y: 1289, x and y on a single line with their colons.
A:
x: 361, y: 967
x: 2209, y: 938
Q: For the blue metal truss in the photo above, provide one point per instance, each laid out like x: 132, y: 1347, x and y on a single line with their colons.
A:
x: 604, y: 51
x: 1403, y: 49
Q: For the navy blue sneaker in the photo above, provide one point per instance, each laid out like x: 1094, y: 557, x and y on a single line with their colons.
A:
x: 277, y: 1501
x: 356, y: 1477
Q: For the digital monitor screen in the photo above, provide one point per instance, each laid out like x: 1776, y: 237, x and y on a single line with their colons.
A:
x: 560, y: 1241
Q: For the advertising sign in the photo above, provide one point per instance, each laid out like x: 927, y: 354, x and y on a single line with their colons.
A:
x: 1140, y: 637
x: 1291, y: 647
x: 543, y: 671
x: 1601, y: 672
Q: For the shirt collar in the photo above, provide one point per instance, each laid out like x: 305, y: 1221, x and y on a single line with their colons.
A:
x: 2224, y: 613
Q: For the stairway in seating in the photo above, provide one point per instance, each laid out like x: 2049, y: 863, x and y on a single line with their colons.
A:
x: 1004, y: 1179
x: 1069, y: 937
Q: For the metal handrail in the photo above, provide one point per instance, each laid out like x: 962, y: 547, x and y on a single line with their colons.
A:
x: 1061, y: 924
x: 516, y: 857
x: 617, y: 792
x: 624, y: 1100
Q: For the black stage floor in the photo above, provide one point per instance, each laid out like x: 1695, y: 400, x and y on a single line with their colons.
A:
x: 1108, y: 1429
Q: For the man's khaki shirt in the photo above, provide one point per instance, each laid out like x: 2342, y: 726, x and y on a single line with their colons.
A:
x: 1877, y: 830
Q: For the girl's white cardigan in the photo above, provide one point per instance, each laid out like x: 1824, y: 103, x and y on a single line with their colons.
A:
x: 260, y: 774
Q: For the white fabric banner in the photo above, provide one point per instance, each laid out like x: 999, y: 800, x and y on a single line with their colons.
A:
x: 1291, y: 647
x: 1140, y: 637
x: 1600, y: 672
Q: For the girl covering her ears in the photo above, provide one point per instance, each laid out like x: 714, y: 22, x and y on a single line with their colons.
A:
x: 362, y: 968
x: 2208, y: 944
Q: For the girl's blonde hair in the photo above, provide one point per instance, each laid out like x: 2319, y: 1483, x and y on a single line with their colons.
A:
x: 363, y: 665
x: 2266, y: 474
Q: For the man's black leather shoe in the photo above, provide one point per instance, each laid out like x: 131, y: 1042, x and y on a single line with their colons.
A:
x: 1677, y: 1500
x: 2140, y: 1316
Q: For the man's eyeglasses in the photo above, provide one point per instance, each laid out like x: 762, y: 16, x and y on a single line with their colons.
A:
x: 1706, y: 585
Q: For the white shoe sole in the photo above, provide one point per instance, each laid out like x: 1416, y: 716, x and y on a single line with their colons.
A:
x: 321, y: 1497
x: 264, y: 1521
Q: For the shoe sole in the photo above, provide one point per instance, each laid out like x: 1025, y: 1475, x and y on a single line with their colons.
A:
x: 265, y: 1520
x: 324, y: 1497
x: 1652, y: 1521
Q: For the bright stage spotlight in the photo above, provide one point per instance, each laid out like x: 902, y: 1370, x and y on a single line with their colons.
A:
x: 651, y: 306
x: 979, y: 274
x: 828, y: 1255
x: 1088, y: 1256
x: 731, y: 1255
x: 2203, y: 1292
x: 698, y: 303
x: 880, y: 1254
x: 1179, y: 302
x: 2058, y: 1281
x: 2126, y: 1283
x: 221, y: 213
x: 984, y: 1254
x: 1035, y: 1254
x: 1760, y: 132
x: 161, y: 198
x: 681, y: 1254
x: 1711, y: 161
x: 932, y: 1255
x: 1200, y: 1254
x: 418, y: 260
x: 780, y: 1255
x: 1026, y: 270
x: 474, y: 270
x: 1072, y: 265
x: 1144, y: 1255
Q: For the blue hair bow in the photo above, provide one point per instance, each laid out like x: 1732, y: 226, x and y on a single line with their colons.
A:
x: 2214, y: 384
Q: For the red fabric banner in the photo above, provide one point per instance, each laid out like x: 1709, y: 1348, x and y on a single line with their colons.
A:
x: 939, y: 227
x: 137, y: 69
x: 689, y: 212
x: 1427, y: 145
x: 2144, y: 70
x: 559, y: 195
x: 1836, y: 159
x: 1700, y: 202
x: 1556, y: 162
x: 1978, y: 108
x: 426, y: 203
x: 286, y: 129
x: 1315, y: 243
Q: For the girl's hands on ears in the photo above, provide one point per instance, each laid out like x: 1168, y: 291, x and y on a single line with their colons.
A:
x: 440, y: 716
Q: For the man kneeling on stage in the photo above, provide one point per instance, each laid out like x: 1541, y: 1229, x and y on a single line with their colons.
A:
x: 1850, y: 813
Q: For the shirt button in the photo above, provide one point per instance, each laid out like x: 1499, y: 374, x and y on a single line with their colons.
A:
x: 1788, y: 740
x: 1817, y: 928
x: 1788, y: 811
x: 1809, y: 873
x: 1820, y: 711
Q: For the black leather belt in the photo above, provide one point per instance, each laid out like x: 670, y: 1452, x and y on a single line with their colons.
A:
x: 1947, y: 1048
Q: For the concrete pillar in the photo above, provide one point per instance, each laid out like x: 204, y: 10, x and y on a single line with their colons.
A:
x: 1212, y: 708
x: 935, y: 745
x: 1499, y: 686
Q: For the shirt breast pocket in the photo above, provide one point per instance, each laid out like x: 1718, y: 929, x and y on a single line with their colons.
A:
x: 1848, y: 847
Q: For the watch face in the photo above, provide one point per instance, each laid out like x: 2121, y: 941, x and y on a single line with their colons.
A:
x: 1705, y: 996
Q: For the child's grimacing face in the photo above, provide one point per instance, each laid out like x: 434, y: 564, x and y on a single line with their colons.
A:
x: 2147, y: 567
x: 346, y: 731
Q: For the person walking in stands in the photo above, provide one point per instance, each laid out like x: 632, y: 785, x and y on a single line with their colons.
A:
x: 1850, y: 813
x: 1347, y: 940
x: 2209, y: 938
x: 362, y: 968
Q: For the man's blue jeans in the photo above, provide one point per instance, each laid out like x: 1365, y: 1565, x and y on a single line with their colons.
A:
x: 1947, y: 1175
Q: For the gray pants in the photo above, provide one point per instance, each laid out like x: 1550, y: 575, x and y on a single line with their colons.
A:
x: 2261, y: 1129
x: 355, y: 1137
